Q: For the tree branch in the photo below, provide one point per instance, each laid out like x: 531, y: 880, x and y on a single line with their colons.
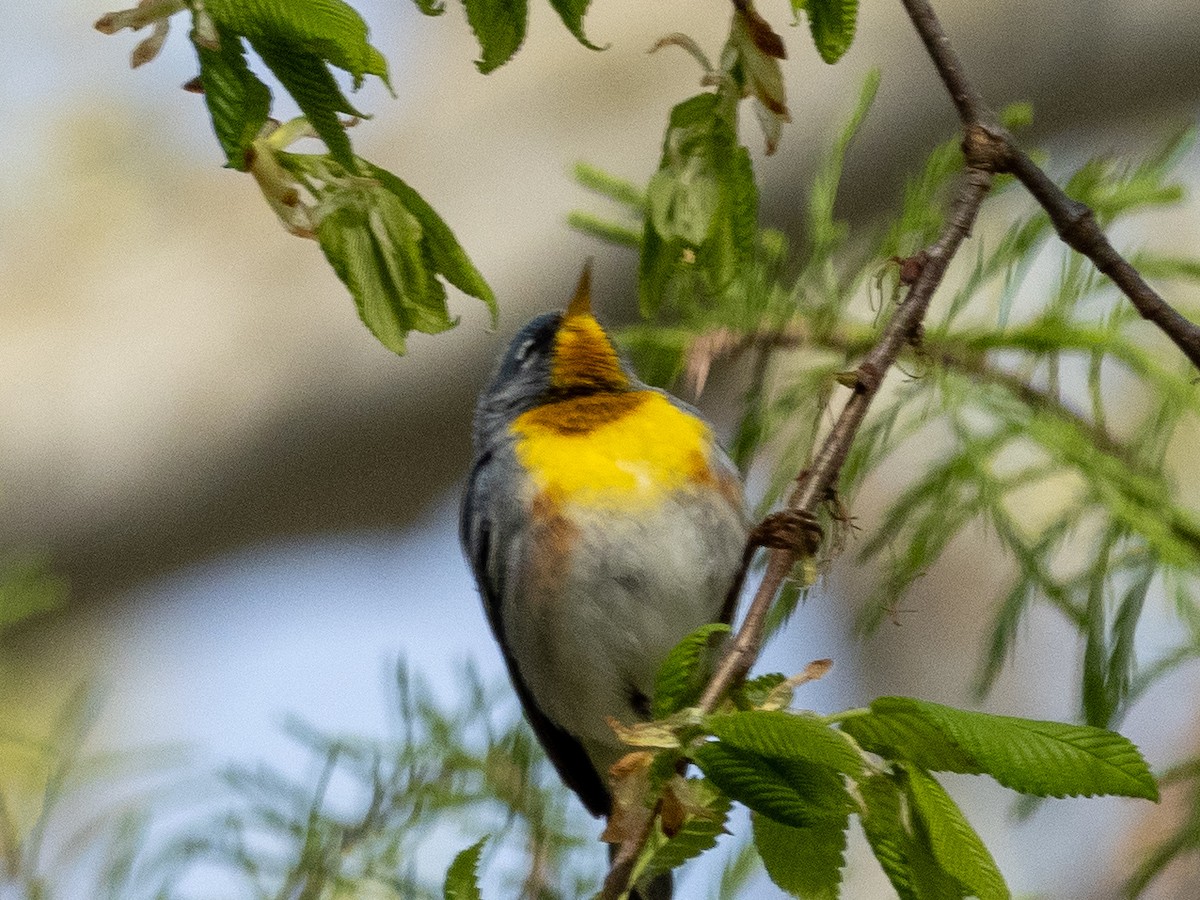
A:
x: 1074, y: 221
x: 817, y: 482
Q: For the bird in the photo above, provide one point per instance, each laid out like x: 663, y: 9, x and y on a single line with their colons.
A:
x: 603, y: 523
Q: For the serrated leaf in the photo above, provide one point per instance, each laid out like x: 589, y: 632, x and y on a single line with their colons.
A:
x: 956, y: 846
x: 832, y: 23
x: 902, y: 734
x: 374, y: 245
x: 1047, y: 759
x: 306, y: 77
x: 788, y: 790
x: 785, y: 735
x: 461, y: 878
x: 238, y: 103
x: 329, y: 29
x: 499, y: 26
x: 445, y: 253
x: 907, y: 860
x: 681, y: 677
x: 572, y: 12
x: 805, y: 862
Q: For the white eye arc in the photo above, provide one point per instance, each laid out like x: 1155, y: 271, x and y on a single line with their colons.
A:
x: 523, y: 350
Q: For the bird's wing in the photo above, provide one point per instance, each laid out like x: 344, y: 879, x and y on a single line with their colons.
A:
x: 481, y: 524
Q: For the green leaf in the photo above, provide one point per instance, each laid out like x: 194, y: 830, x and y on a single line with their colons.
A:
x: 1048, y: 759
x: 572, y: 12
x: 445, y: 253
x: 906, y: 859
x: 701, y: 206
x: 306, y: 77
x: 790, y: 791
x: 499, y: 26
x: 237, y: 101
x: 785, y: 735
x: 825, y: 232
x: 431, y: 7
x: 805, y: 862
x: 28, y: 589
x: 832, y: 23
x: 956, y: 846
x: 388, y: 246
x: 462, y: 878
x: 681, y: 677
x: 328, y: 29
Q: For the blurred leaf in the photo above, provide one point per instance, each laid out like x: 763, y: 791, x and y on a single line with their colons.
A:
x: 758, y: 51
x: 431, y: 7
x: 462, y: 876
x: 28, y: 588
x: 702, y: 204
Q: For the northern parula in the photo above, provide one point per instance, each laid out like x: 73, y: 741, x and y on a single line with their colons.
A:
x: 603, y: 524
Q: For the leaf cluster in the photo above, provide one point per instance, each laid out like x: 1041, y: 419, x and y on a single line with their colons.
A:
x: 804, y: 776
x: 388, y: 246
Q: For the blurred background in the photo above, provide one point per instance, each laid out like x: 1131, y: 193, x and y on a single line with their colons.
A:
x: 253, y: 504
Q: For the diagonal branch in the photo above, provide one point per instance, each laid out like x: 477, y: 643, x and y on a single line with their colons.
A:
x: 817, y: 483
x: 1074, y: 221
x: 794, y: 532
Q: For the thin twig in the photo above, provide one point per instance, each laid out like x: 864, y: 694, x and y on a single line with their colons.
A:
x: 1074, y: 221
x: 816, y: 484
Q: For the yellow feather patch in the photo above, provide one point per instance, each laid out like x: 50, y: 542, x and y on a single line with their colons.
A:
x: 612, y: 451
x: 584, y: 356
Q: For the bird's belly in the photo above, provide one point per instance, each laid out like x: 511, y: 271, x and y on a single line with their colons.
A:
x: 621, y: 591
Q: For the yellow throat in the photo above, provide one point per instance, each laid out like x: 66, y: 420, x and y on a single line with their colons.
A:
x: 583, y: 356
x: 600, y: 444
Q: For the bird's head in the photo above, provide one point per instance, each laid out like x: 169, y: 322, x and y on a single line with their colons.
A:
x: 555, y: 355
